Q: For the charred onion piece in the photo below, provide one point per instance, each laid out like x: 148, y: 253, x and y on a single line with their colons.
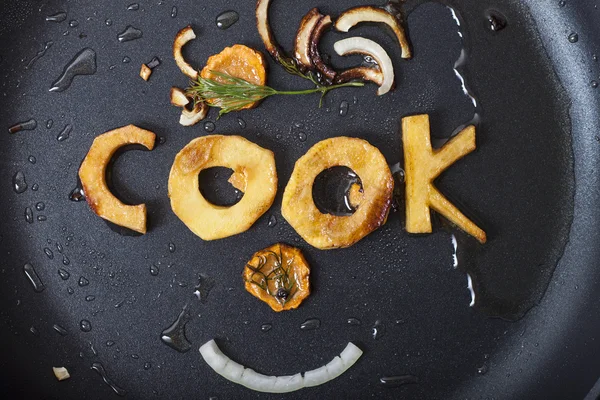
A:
x: 264, y: 30
x: 304, y: 36
x: 356, y: 15
x: 315, y: 56
x: 196, y: 114
x: 178, y: 97
x: 361, y: 45
x: 184, y: 36
x: 365, y: 73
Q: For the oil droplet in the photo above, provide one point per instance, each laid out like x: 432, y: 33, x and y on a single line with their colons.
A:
x: 482, y: 370
x: 147, y: 366
x: 310, y: 324
x: 154, y: 270
x: 64, y: 274
x: 272, y: 221
x: 241, y: 123
x: 99, y: 368
x: 83, y: 282
x: 90, y: 298
x: 77, y: 195
x: 174, y: 335
x: 573, y: 37
x: 130, y: 33
x: 58, y: 17
x: 302, y: 136
x: 62, y: 331
x: 84, y: 63
x: 209, y: 126
x: 40, y: 206
x: 32, y: 159
x: 23, y: 126
x: 399, y: 380
x: 73, y: 23
x: 226, y: 19
x: 203, y: 288
x: 133, y: 7
x: 108, y: 22
x: 173, y: 12
x: 344, y: 108
x: 29, y: 215
x: 65, y: 133
x: 266, y: 327
x: 495, y: 20
x: 19, y: 182
x: 353, y: 321
x: 171, y: 247
x: 85, y: 325
x: 33, y: 277
x: 42, y: 218
x: 66, y: 260
x: 378, y: 330
x: 39, y: 54
x: 49, y: 253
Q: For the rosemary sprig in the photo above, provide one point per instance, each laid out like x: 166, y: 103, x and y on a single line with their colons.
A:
x: 235, y: 93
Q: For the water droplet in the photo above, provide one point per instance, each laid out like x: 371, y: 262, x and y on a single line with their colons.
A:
x: 70, y: 290
x: 209, y: 126
x: 90, y: 298
x: 42, y: 218
x: 310, y: 324
x: 85, y: 325
x: 595, y: 57
x: 34, y: 331
x: 35, y: 187
x: 573, y: 37
x: 40, y: 206
x: 64, y: 274
x: 29, y: 215
x: 495, y: 20
x: 482, y: 370
x: 594, y: 84
x: 49, y: 253
x: 162, y: 140
x: 562, y: 3
x: 353, y: 321
x: 58, y: 17
x: 126, y: 60
x: 378, y: 330
x: 19, y: 182
x: 354, y: 100
x: 66, y: 260
x: 59, y: 247
x: 73, y: 23
x: 147, y: 366
x: 77, y: 195
x: 396, y: 381
x: 83, y: 282
x: 62, y: 331
x: 109, y: 343
x: 108, y: 22
x: 99, y: 368
x: 171, y: 247
x: 173, y: 12
x: 23, y: 126
x: 135, y: 356
x: 33, y: 277
x: 84, y: 63
x: 130, y: 33
x: 226, y: 19
x: 49, y: 124
x: 65, y: 33
x: 278, y: 136
x: 174, y: 335
x: 154, y: 270
x: 344, y: 108
x: 203, y: 288
x: 133, y: 7
x: 32, y: 159
x: 266, y: 327
x: 241, y: 123
x: 39, y: 54
x: 302, y: 136
x: 65, y: 133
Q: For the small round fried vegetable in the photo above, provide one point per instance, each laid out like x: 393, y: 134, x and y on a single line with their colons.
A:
x: 326, y: 231
x: 278, y: 275
x: 205, y: 219
x: 238, y: 61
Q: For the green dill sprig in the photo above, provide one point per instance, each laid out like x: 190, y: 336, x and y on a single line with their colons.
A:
x: 280, y: 275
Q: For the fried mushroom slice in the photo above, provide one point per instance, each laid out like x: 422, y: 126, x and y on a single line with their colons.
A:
x: 182, y: 37
x: 326, y: 231
x: 360, y: 73
x: 208, y: 220
x: 92, y: 174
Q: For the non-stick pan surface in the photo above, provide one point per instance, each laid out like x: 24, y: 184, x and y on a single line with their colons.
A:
x: 532, y: 184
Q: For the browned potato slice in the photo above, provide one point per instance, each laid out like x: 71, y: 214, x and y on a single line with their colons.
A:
x: 422, y: 165
x: 326, y: 231
x: 92, y: 174
x: 207, y: 220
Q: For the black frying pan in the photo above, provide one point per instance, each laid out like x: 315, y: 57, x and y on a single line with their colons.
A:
x: 532, y: 184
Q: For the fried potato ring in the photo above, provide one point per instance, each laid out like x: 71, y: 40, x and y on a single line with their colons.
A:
x: 326, y: 231
x: 208, y: 220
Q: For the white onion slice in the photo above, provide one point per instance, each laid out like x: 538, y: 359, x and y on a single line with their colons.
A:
x: 178, y: 97
x: 361, y: 45
x: 195, y: 115
x: 303, y: 37
x: 251, y: 379
x: 184, y: 36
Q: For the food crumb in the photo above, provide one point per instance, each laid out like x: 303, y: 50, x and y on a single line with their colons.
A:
x: 145, y: 72
x: 61, y: 373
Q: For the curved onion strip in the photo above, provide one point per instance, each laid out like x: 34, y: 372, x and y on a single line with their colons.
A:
x: 264, y: 29
x: 366, y: 46
x: 195, y: 115
x: 365, y: 73
x: 178, y: 97
x: 356, y: 15
x: 303, y: 37
x: 315, y: 56
x: 251, y: 379
x: 182, y: 37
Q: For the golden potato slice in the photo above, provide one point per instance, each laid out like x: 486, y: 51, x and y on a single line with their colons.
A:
x: 326, y: 231
x: 278, y: 275
x: 422, y: 165
x: 92, y: 174
x: 207, y: 220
